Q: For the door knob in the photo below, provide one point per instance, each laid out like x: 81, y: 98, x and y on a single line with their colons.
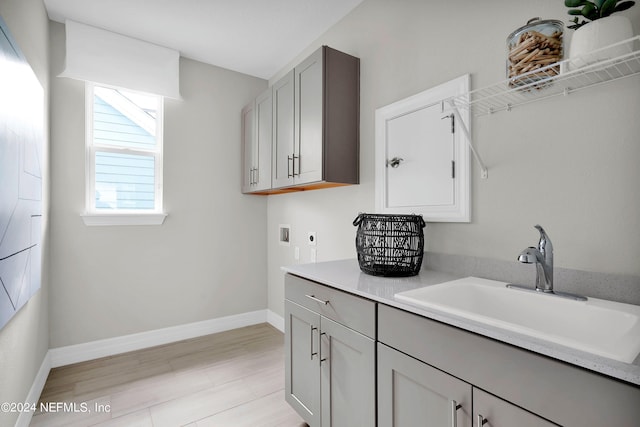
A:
x: 395, y: 162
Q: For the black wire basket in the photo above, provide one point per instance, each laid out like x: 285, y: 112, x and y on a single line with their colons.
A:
x: 390, y: 245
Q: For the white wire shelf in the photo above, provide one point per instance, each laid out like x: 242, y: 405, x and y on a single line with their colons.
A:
x: 604, y: 65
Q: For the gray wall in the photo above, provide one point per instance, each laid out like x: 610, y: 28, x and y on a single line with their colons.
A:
x: 568, y: 163
x: 207, y: 260
x: 25, y: 339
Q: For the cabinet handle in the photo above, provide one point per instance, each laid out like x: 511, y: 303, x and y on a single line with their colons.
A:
x: 321, y: 358
x: 454, y: 413
x: 255, y: 176
x: 313, y: 328
x: 294, y: 165
x: 312, y: 297
x: 290, y: 159
x: 481, y: 421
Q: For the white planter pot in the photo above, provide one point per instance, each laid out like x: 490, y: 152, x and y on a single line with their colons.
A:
x: 588, y: 39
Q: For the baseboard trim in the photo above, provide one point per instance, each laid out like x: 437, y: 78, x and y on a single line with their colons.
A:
x: 275, y: 320
x: 67, y: 355
x: 24, y: 419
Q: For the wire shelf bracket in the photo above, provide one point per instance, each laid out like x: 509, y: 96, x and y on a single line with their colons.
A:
x: 484, y: 171
x: 610, y: 63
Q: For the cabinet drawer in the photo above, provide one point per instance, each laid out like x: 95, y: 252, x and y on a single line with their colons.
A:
x: 349, y: 310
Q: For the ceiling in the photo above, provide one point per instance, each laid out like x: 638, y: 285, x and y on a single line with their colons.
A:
x: 255, y: 37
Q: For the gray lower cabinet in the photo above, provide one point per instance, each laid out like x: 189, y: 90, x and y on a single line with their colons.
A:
x: 337, y: 345
x: 511, y: 386
x: 302, y: 377
x: 491, y: 411
x: 412, y: 393
x: 329, y: 366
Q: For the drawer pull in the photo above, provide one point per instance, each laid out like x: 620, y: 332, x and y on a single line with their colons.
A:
x: 454, y: 413
x: 318, y: 300
x: 481, y: 421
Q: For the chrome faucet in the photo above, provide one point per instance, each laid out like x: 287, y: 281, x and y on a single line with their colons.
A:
x: 542, y: 256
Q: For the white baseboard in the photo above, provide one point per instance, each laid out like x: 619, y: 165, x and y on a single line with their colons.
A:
x: 275, y: 320
x: 62, y: 356
x: 24, y: 419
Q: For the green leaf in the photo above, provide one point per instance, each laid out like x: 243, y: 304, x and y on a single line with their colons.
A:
x: 574, y: 3
x: 623, y: 6
x: 589, y: 10
x: 574, y: 12
x: 599, y: 3
x: 607, y: 8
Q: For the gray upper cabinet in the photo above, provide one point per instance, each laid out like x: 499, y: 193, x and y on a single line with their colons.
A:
x: 283, y: 132
x: 256, y: 144
x: 248, y: 143
x: 308, y: 117
x: 316, y: 122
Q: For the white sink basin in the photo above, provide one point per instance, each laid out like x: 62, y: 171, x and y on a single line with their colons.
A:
x: 596, y: 326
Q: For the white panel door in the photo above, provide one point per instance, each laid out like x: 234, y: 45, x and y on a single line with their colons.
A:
x: 424, y: 176
x: 422, y: 155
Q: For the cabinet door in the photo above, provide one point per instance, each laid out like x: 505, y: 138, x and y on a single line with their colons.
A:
x: 491, y: 411
x: 262, y: 147
x: 347, y: 377
x: 309, y: 119
x: 283, y: 132
x: 412, y: 393
x: 302, y: 371
x: 248, y: 146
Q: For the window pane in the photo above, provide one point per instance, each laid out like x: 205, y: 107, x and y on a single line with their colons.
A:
x: 123, y: 118
x: 124, y: 181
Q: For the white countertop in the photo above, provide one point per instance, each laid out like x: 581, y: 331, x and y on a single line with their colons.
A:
x: 347, y: 276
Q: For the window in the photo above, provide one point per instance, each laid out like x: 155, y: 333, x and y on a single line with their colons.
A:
x: 124, y: 156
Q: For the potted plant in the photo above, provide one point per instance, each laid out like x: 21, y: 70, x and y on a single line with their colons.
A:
x: 597, y: 28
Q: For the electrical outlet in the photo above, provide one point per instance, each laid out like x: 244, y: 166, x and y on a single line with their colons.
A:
x: 313, y: 255
x: 296, y: 253
x: 311, y: 238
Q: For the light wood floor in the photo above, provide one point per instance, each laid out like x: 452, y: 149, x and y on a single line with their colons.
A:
x: 233, y: 379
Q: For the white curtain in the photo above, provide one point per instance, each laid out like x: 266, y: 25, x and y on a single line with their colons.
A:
x: 103, y: 57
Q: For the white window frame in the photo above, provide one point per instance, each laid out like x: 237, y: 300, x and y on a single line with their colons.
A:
x: 94, y: 216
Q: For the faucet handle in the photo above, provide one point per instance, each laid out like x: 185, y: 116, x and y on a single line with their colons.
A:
x: 545, y: 241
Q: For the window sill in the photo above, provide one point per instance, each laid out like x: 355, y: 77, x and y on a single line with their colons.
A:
x: 95, y: 219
